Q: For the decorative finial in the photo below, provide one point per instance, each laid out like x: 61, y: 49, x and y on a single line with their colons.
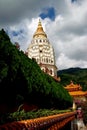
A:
x: 40, y: 31
x: 39, y: 23
x: 39, y: 20
x: 71, y: 82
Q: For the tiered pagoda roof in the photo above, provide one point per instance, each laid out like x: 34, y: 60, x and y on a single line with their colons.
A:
x: 42, y: 51
x: 75, y: 90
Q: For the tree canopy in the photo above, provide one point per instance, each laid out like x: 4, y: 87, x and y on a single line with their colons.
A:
x: 21, y: 79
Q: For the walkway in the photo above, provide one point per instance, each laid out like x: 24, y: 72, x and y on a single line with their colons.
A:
x: 81, y: 125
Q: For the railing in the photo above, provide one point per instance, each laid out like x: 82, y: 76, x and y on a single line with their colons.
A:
x: 53, y: 122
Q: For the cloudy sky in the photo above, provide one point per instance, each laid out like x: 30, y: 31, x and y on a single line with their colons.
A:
x: 64, y: 21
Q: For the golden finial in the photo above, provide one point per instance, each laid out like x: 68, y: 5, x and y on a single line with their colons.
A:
x: 40, y: 31
x: 39, y: 20
x: 39, y: 23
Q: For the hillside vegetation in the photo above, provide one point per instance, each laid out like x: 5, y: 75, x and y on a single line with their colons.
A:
x: 77, y: 75
x: 21, y: 80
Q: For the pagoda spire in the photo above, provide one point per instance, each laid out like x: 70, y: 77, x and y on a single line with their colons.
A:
x: 39, y: 31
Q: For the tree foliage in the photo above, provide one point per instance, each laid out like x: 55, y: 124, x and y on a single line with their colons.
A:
x: 78, y: 75
x: 21, y: 80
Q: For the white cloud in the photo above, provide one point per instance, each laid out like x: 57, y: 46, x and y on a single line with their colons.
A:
x: 67, y: 34
x: 65, y: 62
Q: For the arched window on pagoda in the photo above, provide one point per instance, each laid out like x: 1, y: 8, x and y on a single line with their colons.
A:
x: 40, y: 41
x: 47, y: 60
x: 51, y: 72
x: 44, y: 60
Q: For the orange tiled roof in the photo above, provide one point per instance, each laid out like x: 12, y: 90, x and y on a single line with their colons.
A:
x: 78, y: 93
x: 75, y: 90
x: 73, y: 86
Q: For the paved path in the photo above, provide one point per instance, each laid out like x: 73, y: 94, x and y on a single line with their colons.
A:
x: 81, y: 125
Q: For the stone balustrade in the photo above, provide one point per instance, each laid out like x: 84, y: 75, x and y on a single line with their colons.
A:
x: 53, y: 122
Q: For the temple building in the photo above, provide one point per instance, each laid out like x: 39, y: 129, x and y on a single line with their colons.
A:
x: 76, y: 92
x: 42, y: 51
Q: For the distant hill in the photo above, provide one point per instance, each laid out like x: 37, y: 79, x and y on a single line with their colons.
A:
x: 77, y: 75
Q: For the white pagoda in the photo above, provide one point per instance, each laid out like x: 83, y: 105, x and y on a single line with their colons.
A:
x: 42, y: 51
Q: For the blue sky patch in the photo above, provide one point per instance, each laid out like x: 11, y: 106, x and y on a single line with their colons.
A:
x: 48, y: 13
x: 16, y: 33
x: 73, y: 1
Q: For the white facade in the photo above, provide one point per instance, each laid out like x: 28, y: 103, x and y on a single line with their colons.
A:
x: 42, y: 51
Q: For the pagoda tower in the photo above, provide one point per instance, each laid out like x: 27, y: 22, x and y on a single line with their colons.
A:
x: 75, y: 90
x: 42, y: 51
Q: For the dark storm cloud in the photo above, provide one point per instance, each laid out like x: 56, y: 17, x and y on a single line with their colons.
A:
x: 13, y: 11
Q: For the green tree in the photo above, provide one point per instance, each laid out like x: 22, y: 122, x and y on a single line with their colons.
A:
x: 22, y: 76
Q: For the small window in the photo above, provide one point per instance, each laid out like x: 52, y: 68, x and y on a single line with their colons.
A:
x: 51, y: 72
x: 40, y: 51
x: 40, y: 41
x: 47, y: 60
x: 51, y: 61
